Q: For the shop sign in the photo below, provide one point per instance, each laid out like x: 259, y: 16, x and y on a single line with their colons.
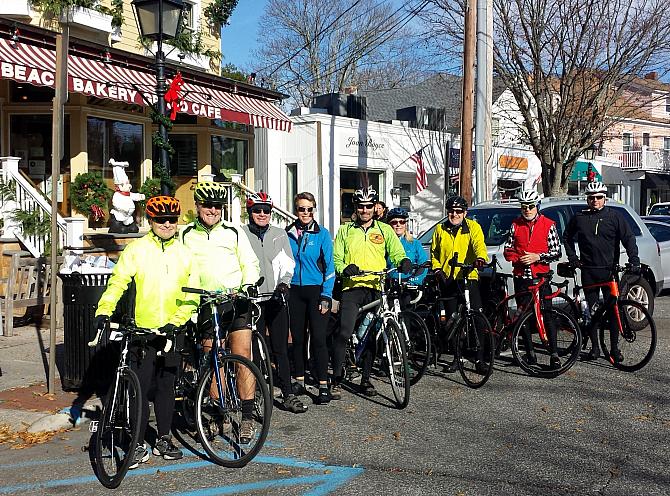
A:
x: 364, y: 146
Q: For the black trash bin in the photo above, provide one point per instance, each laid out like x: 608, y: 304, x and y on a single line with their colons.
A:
x: 87, y: 368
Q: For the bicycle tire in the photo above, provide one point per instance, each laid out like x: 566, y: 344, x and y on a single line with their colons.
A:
x: 186, y: 386
x: 261, y: 358
x: 568, y: 342
x: 425, y: 313
x: 396, y: 361
x: 219, y: 423
x: 475, y: 350
x: 118, y: 430
x: 637, y: 344
x: 419, y: 346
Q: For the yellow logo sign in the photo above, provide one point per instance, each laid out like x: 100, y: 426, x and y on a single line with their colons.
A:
x: 377, y: 239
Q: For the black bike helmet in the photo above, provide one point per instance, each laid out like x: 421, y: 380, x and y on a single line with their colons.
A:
x: 457, y: 202
x: 397, y: 213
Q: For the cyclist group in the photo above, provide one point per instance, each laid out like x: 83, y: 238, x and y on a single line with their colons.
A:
x: 299, y: 264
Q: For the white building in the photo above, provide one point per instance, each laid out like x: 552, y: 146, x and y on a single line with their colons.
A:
x: 331, y: 156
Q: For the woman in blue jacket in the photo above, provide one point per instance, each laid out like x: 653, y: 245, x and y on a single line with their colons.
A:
x: 311, y: 293
x: 397, y: 219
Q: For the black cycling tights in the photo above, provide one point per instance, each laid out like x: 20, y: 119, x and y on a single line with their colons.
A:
x: 274, y: 315
x: 153, y: 370
x: 304, y: 309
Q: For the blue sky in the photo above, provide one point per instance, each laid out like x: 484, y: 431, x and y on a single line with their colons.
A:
x: 239, y: 38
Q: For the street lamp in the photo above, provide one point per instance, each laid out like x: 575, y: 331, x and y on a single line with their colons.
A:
x: 590, y: 152
x: 160, y: 20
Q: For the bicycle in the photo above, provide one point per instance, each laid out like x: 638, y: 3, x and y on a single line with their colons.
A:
x: 630, y: 320
x: 392, y: 361
x: 117, y: 432
x: 525, y: 331
x: 233, y: 406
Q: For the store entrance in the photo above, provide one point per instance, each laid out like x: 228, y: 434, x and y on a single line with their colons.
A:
x: 350, y: 181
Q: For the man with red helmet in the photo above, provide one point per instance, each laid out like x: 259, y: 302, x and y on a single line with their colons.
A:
x: 160, y: 266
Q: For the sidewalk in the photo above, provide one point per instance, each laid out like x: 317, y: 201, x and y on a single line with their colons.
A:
x: 25, y: 404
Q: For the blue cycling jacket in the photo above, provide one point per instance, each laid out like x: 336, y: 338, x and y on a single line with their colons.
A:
x: 417, y: 255
x: 313, y: 255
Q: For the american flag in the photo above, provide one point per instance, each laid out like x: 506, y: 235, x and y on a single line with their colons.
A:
x: 421, y: 177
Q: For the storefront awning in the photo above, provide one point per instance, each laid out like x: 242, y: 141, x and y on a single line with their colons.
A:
x: 30, y: 64
x: 580, y: 171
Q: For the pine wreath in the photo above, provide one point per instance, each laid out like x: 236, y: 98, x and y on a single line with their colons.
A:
x: 89, y: 194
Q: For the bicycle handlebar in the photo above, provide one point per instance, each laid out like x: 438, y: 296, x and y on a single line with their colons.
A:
x: 128, y: 328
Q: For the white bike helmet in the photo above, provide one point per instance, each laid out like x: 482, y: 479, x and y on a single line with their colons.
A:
x: 529, y: 196
x: 365, y: 195
x: 595, y: 188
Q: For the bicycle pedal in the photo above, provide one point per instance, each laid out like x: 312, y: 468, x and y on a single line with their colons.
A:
x: 93, y: 426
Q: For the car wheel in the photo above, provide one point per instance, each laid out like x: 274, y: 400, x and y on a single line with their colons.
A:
x: 640, y: 291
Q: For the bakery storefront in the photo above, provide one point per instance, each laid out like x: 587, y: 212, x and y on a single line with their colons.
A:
x: 106, y: 117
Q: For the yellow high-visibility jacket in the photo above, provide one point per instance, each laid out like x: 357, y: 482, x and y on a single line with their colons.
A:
x: 467, y: 240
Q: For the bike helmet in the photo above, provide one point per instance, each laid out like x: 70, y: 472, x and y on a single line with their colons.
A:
x: 397, y: 213
x: 209, y: 192
x: 457, y: 202
x: 529, y: 196
x: 595, y: 188
x: 260, y: 198
x: 162, y: 206
x: 365, y: 195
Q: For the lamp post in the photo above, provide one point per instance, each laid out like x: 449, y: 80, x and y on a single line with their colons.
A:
x: 160, y: 20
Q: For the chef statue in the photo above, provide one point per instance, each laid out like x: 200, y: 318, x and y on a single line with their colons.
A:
x: 122, y: 220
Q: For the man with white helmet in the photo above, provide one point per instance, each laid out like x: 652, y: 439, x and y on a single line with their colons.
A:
x: 598, y: 231
x: 532, y: 244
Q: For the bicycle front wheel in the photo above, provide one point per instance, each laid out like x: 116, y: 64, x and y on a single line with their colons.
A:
x: 636, y: 339
x: 261, y: 358
x: 417, y: 338
x: 118, y: 430
x: 534, y: 354
x: 394, y: 360
x: 232, y: 427
x: 475, y: 349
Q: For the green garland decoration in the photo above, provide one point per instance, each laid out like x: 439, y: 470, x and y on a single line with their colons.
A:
x: 89, y: 189
x: 54, y: 8
x: 219, y: 11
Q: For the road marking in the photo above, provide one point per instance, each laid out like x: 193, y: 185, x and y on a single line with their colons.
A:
x: 332, y: 477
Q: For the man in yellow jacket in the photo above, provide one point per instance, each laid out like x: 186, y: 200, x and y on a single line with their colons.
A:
x: 160, y: 266
x: 361, y: 245
x: 464, y: 239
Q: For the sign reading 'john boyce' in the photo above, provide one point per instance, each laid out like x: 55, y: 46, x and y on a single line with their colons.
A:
x: 364, y: 146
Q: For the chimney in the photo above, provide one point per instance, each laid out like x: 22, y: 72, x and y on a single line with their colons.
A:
x: 651, y: 75
x: 351, y: 90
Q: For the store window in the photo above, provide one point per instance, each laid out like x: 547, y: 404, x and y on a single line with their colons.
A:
x: 30, y: 139
x: 27, y: 93
x: 221, y: 124
x: 184, y: 162
x: 119, y: 140
x: 229, y: 154
x: 291, y: 184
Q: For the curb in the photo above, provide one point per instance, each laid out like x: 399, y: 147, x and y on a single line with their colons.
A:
x: 67, y: 418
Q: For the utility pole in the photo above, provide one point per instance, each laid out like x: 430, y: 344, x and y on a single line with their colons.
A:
x: 467, y: 112
x: 484, y: 97
x: 57, y: 148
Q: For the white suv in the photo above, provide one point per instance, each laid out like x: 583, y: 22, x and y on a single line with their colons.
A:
x: 496, y: 219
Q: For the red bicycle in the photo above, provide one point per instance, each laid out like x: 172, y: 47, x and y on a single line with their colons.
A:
x: 629, y: 320
x: 525, y: 331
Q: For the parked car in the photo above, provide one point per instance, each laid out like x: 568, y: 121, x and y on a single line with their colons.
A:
x: 496, y: 218
x: 661, y: 208
x: 660, y: 230
x: 657, y: 218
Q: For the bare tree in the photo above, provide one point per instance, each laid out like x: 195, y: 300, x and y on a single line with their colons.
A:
x: 312, y: 47
x: 575, y: 68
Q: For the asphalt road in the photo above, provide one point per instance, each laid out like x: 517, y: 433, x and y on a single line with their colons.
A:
x: 594, y: 430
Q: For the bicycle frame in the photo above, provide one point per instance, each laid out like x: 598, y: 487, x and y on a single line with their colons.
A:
x: 610, y: 303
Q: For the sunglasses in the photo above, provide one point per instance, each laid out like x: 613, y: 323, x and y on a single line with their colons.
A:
x: 595, y: 197
x: 528, y: 207
x: 365, y: 206
x: 164, y: 220
x: 398, y: 222
x: 457, y: 211
x: 211, y: 205
x: 261, y: 210
x: 306, y: 209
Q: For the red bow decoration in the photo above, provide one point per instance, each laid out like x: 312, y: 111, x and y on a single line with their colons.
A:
x: 172, y: 95
x: 97, y: 213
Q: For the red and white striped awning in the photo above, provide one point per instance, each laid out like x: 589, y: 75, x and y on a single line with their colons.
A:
x: 35, y: 65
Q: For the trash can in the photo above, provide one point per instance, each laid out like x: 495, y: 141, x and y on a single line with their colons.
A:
x: 87, y: 368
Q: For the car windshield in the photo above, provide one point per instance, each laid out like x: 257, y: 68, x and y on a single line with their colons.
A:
x: 494, y: 222
x: 660, y: 210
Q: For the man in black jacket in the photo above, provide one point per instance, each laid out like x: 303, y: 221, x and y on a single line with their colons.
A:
x: 598, y: 231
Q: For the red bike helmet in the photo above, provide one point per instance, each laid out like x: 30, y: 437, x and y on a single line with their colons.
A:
x: 260, y: 198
